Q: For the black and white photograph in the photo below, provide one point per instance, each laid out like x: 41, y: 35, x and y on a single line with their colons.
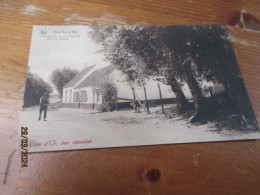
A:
x: 126, y: 85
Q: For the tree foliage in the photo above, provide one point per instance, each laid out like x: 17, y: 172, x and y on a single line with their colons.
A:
x: 108, y: 90
x: 137, y: 52
x: 123, y: 60
x: 180, y: 54
x: 35, y: 87
x: 61, y: 77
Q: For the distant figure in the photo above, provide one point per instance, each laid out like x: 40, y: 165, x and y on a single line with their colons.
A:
x: 44, y: 101
x: 143, y: 105
x: 137, y: 106
x: 133, y: 104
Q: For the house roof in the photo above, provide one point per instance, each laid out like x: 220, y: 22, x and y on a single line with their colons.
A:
x: 96, y: 77
x: 78, y: 76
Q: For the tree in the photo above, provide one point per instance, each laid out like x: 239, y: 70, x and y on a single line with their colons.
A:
x: 143, y: 45
x: 125, y: 62
x: 149, y: 43
x: 35, y: 87
x: 61, y: 77
x: 206, y: 51
x: 108, y: 90
x: 122, y: 61
x: 189, y: 52
x: 180, y: 53
x: 219, y: 64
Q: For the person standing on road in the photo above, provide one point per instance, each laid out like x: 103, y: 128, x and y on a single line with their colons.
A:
x: 44, y: 101
x: 134, y: 105
x: 137, y: 105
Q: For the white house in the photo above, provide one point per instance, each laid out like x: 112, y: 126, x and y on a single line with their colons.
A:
x: 71, y: 95
x: 80, y: 91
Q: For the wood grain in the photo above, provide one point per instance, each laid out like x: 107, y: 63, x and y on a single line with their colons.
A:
x: 201, y: 168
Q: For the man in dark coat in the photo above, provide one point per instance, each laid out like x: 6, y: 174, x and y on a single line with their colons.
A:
x: 44, y: 101
x: 137, y: 106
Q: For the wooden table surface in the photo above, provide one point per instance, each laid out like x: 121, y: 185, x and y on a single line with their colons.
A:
x: 201, y: 168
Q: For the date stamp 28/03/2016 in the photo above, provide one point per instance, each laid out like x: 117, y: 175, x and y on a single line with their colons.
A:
x: 24, y: 145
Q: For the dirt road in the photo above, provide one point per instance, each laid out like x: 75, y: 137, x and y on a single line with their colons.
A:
x: 67, y: 128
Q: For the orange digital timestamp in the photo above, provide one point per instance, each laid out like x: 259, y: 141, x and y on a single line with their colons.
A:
x: 24, y: 147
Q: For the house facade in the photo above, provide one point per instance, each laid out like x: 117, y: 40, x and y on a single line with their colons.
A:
x: 81, y: 92
x: 77, y: 96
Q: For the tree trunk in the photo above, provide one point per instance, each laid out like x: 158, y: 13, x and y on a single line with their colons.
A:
x: 236, y: 90
x: 160, y: 93
x: 195, y: 92
x: 146, y: 103
x: 116, y: 102
x: 194, y: 88
x: 182, y: 102
x: 133, y: 90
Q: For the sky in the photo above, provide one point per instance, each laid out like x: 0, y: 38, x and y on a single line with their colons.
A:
x: 62, y: 46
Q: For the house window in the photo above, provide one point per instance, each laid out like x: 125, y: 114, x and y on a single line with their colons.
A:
x: 66, y: 96
x: 76, y: 96
x: 86, y: 96
x: 83, y: 96
x: 98, y: 97
x: 70, y: 95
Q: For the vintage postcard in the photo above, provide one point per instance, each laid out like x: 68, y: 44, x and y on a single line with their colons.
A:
x: 114, y: 86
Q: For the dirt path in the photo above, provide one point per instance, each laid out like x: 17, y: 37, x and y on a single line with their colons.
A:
x: 111, y: 129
